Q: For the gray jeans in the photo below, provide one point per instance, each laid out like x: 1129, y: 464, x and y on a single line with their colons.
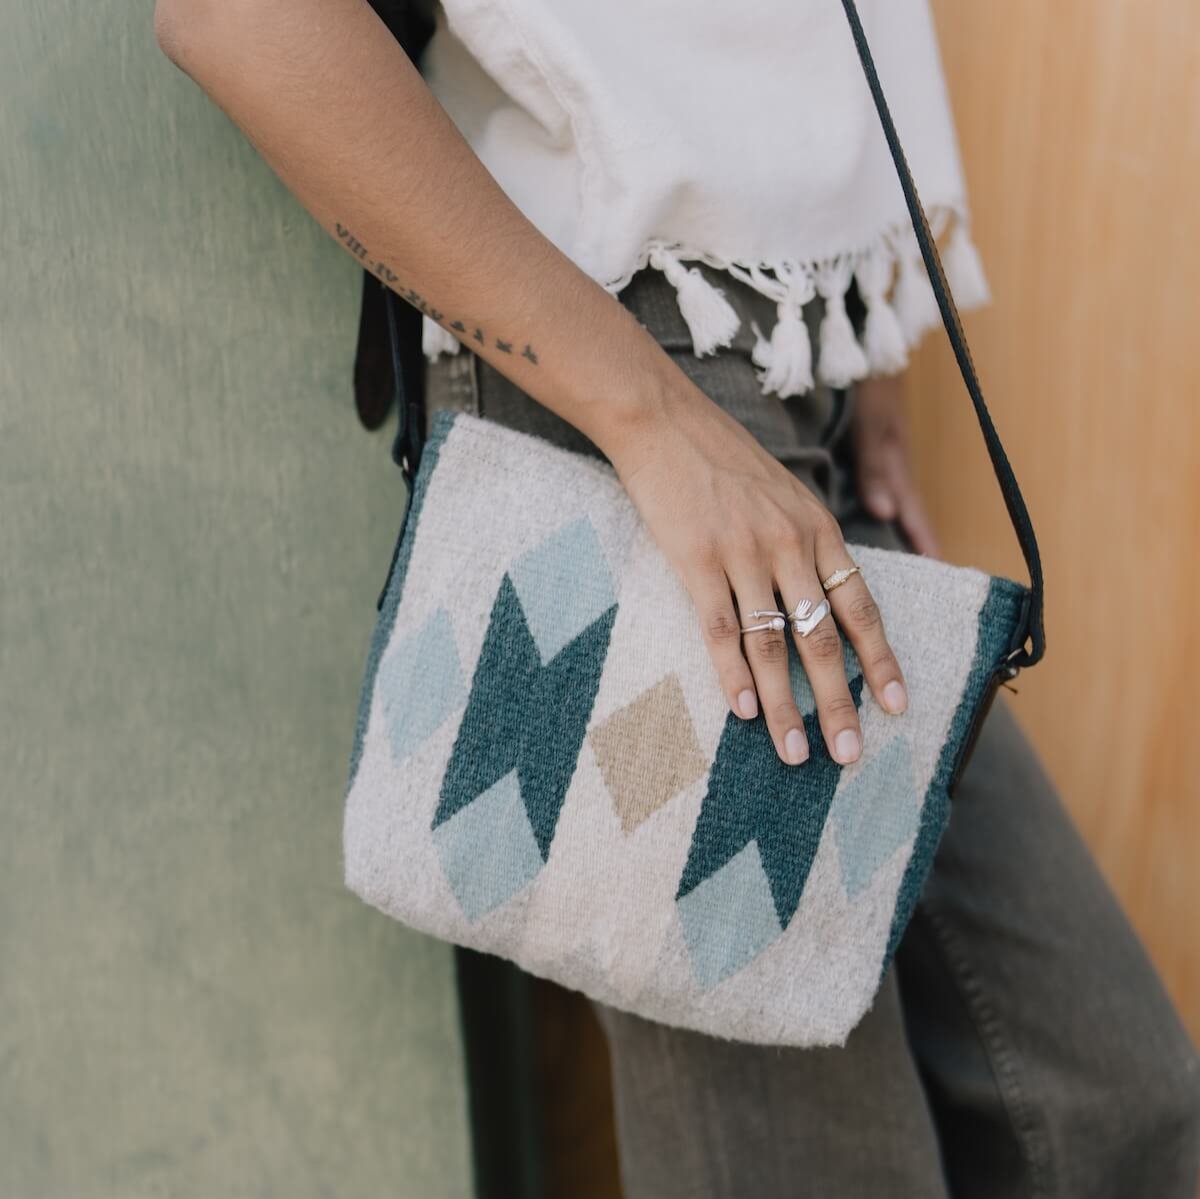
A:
x: 1022, y: 1044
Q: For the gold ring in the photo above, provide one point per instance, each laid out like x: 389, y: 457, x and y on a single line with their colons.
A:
x: 838, y: 577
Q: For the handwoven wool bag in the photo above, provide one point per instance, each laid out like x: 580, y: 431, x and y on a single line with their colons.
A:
x: 545, y: 766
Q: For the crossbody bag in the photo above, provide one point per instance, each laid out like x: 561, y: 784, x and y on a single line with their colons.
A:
x: 545, y: 766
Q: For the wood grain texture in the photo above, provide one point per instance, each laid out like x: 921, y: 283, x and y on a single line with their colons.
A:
x: 1080, y: 128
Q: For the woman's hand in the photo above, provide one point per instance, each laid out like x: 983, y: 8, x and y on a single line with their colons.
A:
x: 881, y: 451
x: 737, y: 525
x: 331, y: 101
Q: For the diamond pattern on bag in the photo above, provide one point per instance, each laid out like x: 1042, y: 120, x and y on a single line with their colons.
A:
x: 754, y: 796
x: 647, y: 751
x: 754, y: 801
x: 730, y: 918
x: 875, y: 813
x: 488, y: 849
x: 420, y: 683
x: 519, y: 739
x: 564, y: 584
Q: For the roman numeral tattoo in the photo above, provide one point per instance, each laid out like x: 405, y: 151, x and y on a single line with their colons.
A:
x: 385, y: 273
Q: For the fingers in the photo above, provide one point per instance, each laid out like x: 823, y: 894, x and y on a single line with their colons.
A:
x: 898, y: 500
x: 753, y: 666
x: 821, y: 655
x: 720, y: 627
x: 886, y: 483
x: 877, y: 446
x: 767, y: 652
x: 876, y: 486
x: 914, y: 520
x: 858, y: 615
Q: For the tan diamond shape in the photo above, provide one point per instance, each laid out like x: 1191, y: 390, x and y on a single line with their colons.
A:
x: 648, y: 751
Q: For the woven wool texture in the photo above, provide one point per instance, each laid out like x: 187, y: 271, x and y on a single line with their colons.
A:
x: 545, y: 767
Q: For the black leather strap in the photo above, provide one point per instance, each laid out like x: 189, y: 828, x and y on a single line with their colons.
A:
x: 409, y: 402
x: 1030, y: 642
x: 1032, y: 635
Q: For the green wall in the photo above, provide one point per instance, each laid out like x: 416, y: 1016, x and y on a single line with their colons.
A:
x: 193, y: 529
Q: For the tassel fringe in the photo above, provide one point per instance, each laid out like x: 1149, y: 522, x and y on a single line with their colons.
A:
x: 435, y: 341
x: 787, y: 358
x: 785, y: 362
x: 710, y: 317
x: 964, y: 271
x: 761, y: 354
x: 891, y: 279
x: 914, y: 301
x: 883, y: 338
x: 842, y: 359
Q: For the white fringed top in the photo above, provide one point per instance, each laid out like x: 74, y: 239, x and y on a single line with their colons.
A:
x: 661, y: 132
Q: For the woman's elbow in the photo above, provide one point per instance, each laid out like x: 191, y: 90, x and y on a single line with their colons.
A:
x: 189, y: 30
x: 172, y: 21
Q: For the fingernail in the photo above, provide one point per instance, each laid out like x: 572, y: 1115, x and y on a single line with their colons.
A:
x: 846, y: 746
x: 895, y: 698
x: 880, y: 502
x: 795, y: 746
x: 748, y: 704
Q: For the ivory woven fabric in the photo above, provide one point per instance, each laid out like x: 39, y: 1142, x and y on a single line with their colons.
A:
x: 545, y: 766
x: 742, y: 136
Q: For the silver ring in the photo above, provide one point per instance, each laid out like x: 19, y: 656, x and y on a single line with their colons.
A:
x: 776, y: 623
x: 805, y: 617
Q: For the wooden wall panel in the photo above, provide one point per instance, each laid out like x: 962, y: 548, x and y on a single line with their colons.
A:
x: 1080, y: 128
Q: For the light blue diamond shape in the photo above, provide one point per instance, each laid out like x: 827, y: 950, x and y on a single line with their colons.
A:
x: 875, y: 814
x: 420, y: 683
x: 488, y: 849
x: 730, y: 918
x: 563, y: 584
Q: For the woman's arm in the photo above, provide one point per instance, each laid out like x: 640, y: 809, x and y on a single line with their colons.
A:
x: 331, y: 101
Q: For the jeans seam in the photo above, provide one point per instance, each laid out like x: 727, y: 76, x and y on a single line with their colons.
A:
x: 999, y: 1053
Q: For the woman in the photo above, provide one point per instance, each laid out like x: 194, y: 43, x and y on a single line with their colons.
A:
x: 543, y: 194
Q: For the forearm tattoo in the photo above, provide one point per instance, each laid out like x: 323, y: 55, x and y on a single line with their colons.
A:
x: 465, y: 331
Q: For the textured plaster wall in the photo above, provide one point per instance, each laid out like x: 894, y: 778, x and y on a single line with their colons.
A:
x: 193, y: 530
